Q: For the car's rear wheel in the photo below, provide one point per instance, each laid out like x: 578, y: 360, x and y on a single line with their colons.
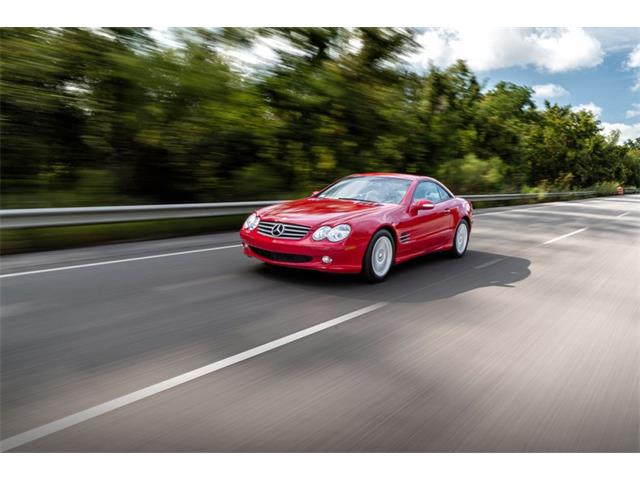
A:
x: 460, y: 240
x: 379, y: 256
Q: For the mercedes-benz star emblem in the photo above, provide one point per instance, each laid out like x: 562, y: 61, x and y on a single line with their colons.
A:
x: 277, y: 229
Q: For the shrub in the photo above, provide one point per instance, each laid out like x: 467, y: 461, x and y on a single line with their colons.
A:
x: 605, y: 188
x: 472, y: 175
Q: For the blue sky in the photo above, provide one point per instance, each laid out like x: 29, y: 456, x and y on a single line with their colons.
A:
x: 608, y: 85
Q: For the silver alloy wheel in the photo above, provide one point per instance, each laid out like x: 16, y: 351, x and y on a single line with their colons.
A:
x: 462, y: 237
x: 382, y: 256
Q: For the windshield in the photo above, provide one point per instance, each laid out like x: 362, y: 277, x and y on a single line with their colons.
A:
x: 368, y: 189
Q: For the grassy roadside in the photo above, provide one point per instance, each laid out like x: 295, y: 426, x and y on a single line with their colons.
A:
x: 52, y: 238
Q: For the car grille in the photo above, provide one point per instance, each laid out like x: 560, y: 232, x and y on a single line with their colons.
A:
x: 283, y: 230
x: 281, y: 257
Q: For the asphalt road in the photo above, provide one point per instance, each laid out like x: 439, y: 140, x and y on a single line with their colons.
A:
x: 531, y: 342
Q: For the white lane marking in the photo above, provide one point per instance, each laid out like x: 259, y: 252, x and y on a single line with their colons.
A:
x: 122, y: 260
x: 622, y: 215
x: 542, y: 210
x: 492, y: 262
x: 581, y: 214
x: 575, y: 232
x: 629, y: 198
x: 106, y: 407
x: 505, y: 211
x: 586, y: 203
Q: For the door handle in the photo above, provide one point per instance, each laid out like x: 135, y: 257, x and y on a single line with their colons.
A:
x: 447, y: 210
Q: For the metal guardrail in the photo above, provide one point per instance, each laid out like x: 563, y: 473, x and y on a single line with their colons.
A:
x: 54, y: 217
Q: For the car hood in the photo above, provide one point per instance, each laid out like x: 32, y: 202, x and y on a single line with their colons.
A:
x: 316, y: 211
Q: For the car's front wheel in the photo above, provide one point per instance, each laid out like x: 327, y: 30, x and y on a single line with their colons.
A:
x: 379, y: 256
x: 460, y: 239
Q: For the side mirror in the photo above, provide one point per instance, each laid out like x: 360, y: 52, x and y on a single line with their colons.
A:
x: 423, y: 205
x: 313, y: 194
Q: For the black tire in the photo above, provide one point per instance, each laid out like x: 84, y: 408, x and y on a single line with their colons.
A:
x: 367, y: 264
x: 454, y: 251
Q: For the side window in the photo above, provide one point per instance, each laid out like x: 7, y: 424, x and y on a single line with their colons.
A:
x: 428, y: 191
x: 444, y: 196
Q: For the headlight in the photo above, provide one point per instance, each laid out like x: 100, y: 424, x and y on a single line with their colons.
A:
x: 339, y: 232
x: 321, y: 233
x: 251, y: 222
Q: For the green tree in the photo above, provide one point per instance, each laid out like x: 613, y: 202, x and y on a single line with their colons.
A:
x: 111, y: 114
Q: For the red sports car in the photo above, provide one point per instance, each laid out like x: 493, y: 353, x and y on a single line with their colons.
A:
x: 361, y: 223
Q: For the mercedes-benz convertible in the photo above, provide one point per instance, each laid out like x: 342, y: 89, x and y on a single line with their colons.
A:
x: 363, y: 223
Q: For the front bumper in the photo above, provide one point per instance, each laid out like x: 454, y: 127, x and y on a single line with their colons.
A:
x: 306, y: 253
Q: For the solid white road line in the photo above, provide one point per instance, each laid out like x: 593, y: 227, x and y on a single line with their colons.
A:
x: 88, y: 414
x: 575, y: 232
x: 588, y: 203
x: 574, y: 214
x: 622, y: 215
x: 594, y: 203
x: 502, y: 212
x: 109, y: 262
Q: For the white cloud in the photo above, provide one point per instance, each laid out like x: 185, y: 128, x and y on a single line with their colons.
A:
x: 634, y: 111
x: 634, y: 58
x: 634, y: 62
x: 627, y: 132
x: 589, y: 107
x: 549, y: 90
x: 551, y: 49
x: 615, y: 39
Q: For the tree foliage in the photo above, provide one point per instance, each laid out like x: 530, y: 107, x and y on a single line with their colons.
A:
x: 183, y: 120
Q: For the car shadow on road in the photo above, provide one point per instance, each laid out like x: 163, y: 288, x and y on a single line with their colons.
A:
x: 426, y: 278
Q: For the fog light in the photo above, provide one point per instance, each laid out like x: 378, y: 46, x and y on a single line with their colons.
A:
x: 326, y: 259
